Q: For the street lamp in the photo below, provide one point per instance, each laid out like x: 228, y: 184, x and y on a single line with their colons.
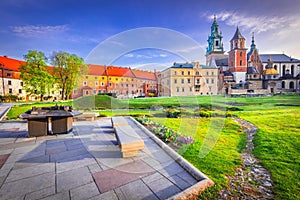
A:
x: 3, y: 88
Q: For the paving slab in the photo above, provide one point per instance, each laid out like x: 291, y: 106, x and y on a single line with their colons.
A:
x: 28, y: 185
x: 73, y: 178
x: 135, y: 190
x: 84, y: 192
x: 113, y: 178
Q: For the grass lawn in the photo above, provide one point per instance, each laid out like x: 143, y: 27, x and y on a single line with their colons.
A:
x: 278, y: 147
x: 223, y: 156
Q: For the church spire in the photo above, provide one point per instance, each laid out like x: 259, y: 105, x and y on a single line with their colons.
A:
x: 253, y: 46
x: 215, y: 43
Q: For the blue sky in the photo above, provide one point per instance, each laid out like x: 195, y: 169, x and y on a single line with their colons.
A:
x: 82, y: 26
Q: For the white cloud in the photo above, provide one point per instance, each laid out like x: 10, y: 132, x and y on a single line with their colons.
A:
x: 38, y: 30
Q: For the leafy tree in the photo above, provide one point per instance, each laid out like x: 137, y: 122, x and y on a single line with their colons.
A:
x: 37, y: 80
x: 67, y: 69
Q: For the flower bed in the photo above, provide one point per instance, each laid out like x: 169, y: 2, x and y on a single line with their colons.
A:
x: 166, y: 134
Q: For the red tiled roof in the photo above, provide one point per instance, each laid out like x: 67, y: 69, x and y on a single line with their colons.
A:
x: 96, y: 70
x: 119, y: 71
x: 10, y: 63
x: 144, y: 74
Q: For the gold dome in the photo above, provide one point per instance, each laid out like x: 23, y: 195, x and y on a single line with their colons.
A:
x: 270, y: 71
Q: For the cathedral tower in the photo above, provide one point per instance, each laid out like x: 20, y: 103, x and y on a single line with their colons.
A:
x: 237, y: 60
x: 215, y: 45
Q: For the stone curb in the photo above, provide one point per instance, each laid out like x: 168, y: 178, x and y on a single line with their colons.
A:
x: 193, y: 191
x: 3, y: 114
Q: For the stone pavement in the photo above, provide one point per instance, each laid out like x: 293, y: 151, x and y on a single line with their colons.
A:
x: 87, y: 164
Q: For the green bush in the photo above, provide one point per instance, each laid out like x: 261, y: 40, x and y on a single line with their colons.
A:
x: 173, y: 113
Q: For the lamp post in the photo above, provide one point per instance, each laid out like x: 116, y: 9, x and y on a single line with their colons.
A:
x: 3, y: 87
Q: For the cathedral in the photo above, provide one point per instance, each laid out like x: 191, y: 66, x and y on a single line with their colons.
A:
x: 244, y: 71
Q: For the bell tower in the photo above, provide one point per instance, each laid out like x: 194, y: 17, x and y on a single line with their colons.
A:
x: 237, y: 60
x: 215, y: 45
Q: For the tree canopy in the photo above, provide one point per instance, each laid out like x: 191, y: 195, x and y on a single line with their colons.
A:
x: 67, y: 68
x: 37, y: 80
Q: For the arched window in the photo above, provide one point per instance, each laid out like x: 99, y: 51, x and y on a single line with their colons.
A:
x: 241, y: 44
x: 291, y: 85
x: 241, y: 62
x: 283, y: 84
x: 241, y: 53
x: 292, y: 70
x: 275, y: 67
x: 217, y: 43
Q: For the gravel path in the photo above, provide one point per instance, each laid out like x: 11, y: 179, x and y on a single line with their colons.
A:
x: 251, y: 180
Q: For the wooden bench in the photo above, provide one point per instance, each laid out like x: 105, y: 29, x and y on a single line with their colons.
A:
x: 119, y: 121
x: 129, y: 141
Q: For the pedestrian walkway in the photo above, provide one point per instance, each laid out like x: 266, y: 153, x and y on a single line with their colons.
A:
x: 87, y: 164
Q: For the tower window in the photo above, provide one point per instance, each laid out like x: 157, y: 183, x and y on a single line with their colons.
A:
x: 241, y: 62
x: 217, y: 43
x: 241, y: 53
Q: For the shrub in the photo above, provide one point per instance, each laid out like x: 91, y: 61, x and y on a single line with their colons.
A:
x: 173, y: 113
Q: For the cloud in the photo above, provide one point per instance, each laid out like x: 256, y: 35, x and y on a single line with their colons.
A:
x: 38, y: 30
x: 255, y: 23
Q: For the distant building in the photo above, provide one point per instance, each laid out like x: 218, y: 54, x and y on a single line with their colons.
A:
x: 120, y: 81
x: 10, y: 83
x: 242, y: 72
x: 184, y: 79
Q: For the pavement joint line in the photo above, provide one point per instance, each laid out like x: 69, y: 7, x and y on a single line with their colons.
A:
x: 150, y: 188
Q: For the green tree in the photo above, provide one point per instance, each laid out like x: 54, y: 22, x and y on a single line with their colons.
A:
x: 37, y: 80
x: 67, y: 69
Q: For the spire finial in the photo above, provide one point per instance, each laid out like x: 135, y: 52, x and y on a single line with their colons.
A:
x: 252, y: 37
x: 215, y: 18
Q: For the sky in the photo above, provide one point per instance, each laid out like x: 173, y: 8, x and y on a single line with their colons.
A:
x: 146, y: 34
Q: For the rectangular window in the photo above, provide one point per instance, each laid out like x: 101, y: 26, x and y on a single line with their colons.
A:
x: 9, y: 82
x: 189, y: 80
x: 182, y: 80
x: 175, y: 81
x: 20, y: 91
x: 10, y: 91
x: 177, y: 89
x: 175, y: 72
x: 198, y: 81
x: 8, y: 74
x: 207, y: 81
x: 197, y: 88
x: 96, y: 83
x: 212, y: 73
x: 21, y: 83
x: 95, y: 91
x: 189, y: 73
x: 191, y: 89
x: 212, y: 81
x: 206, y: 73
x: 182, y: 72
x: 182, y: 89
x: 241, y: 62
x: 87, y: 92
